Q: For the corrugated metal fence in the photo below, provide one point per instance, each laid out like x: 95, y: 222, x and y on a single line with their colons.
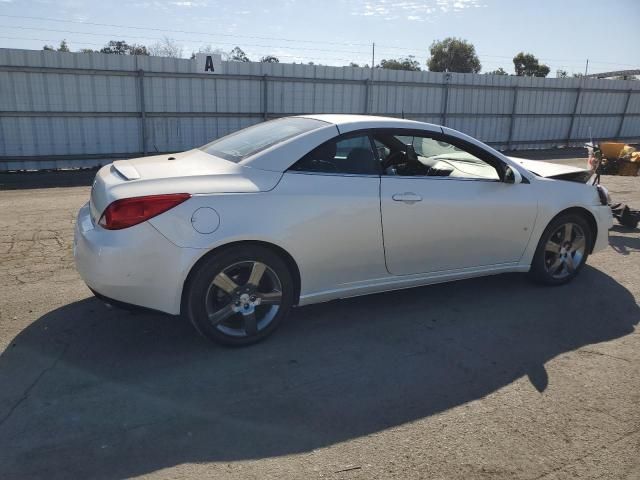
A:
x: 61, y: 110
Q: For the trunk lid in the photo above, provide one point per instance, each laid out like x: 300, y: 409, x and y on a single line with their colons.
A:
x: 194, y: 172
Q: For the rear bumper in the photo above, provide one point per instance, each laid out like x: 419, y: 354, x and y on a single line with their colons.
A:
x: 604, y: 219
x: 137, y: 265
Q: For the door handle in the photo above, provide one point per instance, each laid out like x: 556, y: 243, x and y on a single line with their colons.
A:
x: 407, y: 197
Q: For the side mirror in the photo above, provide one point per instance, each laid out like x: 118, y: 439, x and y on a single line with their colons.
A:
x: 511, y: 175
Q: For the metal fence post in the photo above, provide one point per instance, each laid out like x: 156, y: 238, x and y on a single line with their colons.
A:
x: 265, y: 98
x: 445, y: 101
x: 143, y: 113
x: 367, y: 83
x: 573, y: 116
x: 624, y: 114
x: 513, y: 116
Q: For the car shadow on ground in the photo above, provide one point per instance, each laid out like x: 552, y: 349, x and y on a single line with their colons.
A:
x: 624, y: 244
x: 88, y: 391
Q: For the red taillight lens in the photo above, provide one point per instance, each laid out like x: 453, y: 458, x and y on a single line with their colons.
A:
x: 131, y: 211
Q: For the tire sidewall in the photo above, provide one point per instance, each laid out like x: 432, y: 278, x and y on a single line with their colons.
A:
x: 203, y: 277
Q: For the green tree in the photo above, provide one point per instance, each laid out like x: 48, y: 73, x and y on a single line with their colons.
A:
x: 120, y: 47
x: 527, y: 65
x: 499, y: 71
x: 453, y: 55
x: 405, y: 63
x: 116, y: 47
x: 135, y: 49
x: 238, y: 55
x: 561, y: 73
x: 64, y: 47
x: 269, y: 59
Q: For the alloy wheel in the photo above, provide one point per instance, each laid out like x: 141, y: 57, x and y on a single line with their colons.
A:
x: 244, y: 298
x: 565, y: 250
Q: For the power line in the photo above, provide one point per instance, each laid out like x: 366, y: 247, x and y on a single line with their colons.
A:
x: 118, y: 35
x: 380, y: 46
x: 301, y: 58
x: 256, y: 53
x: 180, y: 31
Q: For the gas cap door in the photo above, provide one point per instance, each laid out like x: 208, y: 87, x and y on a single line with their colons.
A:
x: 205, y: 220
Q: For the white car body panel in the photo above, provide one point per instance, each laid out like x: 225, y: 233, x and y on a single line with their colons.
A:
x: 335, y: 227
x: 501, y: 223
x: 545, y: 169
x: 192, y: 172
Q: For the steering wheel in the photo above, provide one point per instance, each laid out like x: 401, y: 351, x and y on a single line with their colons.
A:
x: 393, y: 159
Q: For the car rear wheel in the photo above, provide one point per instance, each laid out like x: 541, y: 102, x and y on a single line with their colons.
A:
x: 240, y: 296
x: 562, y: 251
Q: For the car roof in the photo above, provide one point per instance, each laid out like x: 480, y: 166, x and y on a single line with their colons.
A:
x: 349, y: 122
x: 280, y: 156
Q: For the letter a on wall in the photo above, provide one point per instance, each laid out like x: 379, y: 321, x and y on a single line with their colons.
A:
x: 208, y: 63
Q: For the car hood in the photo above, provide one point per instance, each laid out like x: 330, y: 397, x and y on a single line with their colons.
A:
x: 555, y: 170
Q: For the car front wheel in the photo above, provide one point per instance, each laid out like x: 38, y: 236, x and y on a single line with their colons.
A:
x: 240, y: 296
x: 562, y: 251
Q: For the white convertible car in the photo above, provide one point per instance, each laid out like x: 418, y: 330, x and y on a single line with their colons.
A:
x: 318, y: 207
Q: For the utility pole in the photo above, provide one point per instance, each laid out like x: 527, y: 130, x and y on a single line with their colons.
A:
x: 373, y: 58
x: 586, y: 68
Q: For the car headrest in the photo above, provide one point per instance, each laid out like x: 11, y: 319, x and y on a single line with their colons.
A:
x: 325, y: 152
x: 361, y: 160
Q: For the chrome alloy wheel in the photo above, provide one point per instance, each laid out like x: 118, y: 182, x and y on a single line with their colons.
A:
x: 564, y: 251
x: 244, y: 298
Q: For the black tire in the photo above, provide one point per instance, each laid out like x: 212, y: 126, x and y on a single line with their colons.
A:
x: 542, y: 270
x: 203, y: 296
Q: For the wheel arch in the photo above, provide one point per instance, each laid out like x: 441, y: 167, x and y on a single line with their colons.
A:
x: 286, y: 256
x: 587, y: 215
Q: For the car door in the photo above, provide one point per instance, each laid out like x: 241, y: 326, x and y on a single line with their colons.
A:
x: 335, y: 189
x: 453, y: 211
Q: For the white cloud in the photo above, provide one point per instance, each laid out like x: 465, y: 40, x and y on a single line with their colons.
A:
x: 188, y: 3
x: 418, y: 11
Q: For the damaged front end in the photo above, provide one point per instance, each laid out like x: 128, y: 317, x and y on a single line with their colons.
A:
x: 583, y: 176
x: 625, y: 215
x: 556, y: 171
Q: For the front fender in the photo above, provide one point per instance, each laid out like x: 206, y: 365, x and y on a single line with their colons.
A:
x: 557, y: 196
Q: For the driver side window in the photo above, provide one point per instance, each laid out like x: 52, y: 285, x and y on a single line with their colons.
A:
x: 418, y: 155
x: 346, y: 155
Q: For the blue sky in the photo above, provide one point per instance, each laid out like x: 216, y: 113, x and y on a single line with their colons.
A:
x: 562, y: 34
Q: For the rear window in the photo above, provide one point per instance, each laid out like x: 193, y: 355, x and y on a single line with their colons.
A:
x: 249, y: 141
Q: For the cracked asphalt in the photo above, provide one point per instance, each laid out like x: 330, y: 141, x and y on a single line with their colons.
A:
x: 491, y: 378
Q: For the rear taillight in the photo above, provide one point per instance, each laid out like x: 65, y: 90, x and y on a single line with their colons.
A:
x: 127, y: 212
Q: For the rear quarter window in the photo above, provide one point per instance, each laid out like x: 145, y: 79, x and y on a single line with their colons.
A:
x: 239, y: 145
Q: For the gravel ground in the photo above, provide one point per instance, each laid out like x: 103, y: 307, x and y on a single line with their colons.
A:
x: 491, y: 378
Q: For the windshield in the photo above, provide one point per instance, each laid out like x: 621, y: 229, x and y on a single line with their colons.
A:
x: 432, y: 148
x: 249, y: 141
